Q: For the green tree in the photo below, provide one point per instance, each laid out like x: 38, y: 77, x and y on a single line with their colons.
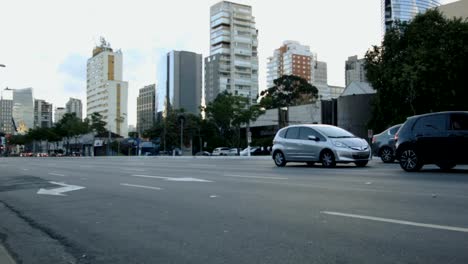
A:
x: 288, y: 90
x: 421, y: 67
x: 96, y: 123
x: 70, y: 126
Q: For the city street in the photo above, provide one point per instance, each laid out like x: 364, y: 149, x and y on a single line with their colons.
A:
x: 229, y: 210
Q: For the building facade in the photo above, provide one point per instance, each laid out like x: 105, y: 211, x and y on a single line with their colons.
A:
x: 23, y: 109
x: 59, y: 113
x: 354, y: 70
x: 184, y: 81
x: 146, y: 108
x: 107, y: 93
x: 74, y: 106
x: 42, y: 114
x: 233, y: 62
x: 295, y: 59
x: 6, y: 116
x: 403, y: 10
x: 458, y: 9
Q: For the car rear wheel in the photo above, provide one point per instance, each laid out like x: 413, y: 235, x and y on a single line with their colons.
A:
x: 361, y: 164
x: 410, y: 161
x: 279, y: 159
x: 446, y: 166
x: 328, y: 159
x: 386, y: 154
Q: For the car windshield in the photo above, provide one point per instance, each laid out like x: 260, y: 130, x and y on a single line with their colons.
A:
x: 334, y: 132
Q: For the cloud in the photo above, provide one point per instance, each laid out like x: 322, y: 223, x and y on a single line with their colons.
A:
x: 74, y: 66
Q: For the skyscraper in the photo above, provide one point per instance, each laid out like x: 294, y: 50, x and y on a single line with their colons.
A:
x: 184, y: 81
x: 59, y: 113
x: 42, y: 114
x: 354, y: 70
x: 233, y: 62
x: 403, y: 10
x: 74, y: 106
x: 146, y: 108
x: 23, y: 109
x: 292, y: 58
x: 107, y: 94
x: 6, y: 115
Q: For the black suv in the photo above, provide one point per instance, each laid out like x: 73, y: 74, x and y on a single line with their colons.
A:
x: 437, y: 138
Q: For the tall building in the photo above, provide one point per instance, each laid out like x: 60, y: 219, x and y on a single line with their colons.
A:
x: 106, y: 93
x: 23, y: 109
x: 184, y: 81
x: 146, y: 108
x: 292, y: 58
x: 59, y: 113
x: 233, y: 62
x: 354, y: 70
x: 42, y: 114
x: 6, y: 115
x: 403, y: 10
x: 74, y: 106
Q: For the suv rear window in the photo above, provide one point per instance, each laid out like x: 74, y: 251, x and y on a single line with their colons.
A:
x: 293, y: 133
x: 393, y: 130
x: 433, y: 123
x: 459, y: 122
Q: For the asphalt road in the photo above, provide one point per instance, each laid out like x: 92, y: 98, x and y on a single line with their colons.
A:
x: 229, y: 210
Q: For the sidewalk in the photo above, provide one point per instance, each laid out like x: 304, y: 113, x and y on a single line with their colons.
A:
x: 5, y: 257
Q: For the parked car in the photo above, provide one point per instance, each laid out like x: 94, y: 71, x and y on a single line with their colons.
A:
x: 224, y: 151
x: 233, y: 152
x: 383, y: 144
x: 203, y: 153
x: 255, y: 151
x: 436, y: 138
x: 326, y: 144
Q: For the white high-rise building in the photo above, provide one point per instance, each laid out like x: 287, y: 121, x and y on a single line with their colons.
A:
x: 354, y: 70
x: 42, y: 114
x: 75, y: 106
x: 107, y: 94
x: 292, y: 58
x: 59, y: 113
x: 233, y: 62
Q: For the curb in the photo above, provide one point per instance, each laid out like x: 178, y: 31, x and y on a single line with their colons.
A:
x: 5, y: 258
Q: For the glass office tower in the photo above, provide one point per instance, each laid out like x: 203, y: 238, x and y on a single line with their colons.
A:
x: 403, y: 10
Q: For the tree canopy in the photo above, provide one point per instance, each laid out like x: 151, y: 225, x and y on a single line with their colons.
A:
x: 288, y: 90
x: 421, y: 67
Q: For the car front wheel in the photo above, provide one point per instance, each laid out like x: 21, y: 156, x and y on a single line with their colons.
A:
x: 386, y: 154
x: 328, y: 159
x: 410, y: 161
x: 279, y: 159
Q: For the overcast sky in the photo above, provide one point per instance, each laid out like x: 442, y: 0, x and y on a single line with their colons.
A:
x: 45, y: 44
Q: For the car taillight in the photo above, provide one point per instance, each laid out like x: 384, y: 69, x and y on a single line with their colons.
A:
x: 396, y: 137
x: 373, y: 140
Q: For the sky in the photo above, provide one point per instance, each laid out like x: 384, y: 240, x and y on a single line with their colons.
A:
x: 45, y: 44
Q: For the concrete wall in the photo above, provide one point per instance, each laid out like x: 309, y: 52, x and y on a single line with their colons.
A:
x: 354, y: 113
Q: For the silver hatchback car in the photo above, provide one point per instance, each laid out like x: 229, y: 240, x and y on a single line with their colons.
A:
x: 326, y: 144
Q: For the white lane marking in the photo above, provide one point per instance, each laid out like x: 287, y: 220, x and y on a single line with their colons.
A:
x: 213, y: 196
x: 400, y: 222
x: 140, y: 186
x: 172, y: 179
x: 255, y: 177
x: 25, y: 169
x: 57, y: 174
x: 59, y: 191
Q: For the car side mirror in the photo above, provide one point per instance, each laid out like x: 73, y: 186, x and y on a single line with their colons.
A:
x: 314, y: 138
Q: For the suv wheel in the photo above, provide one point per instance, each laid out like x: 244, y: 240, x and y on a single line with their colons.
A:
x: 410, y: 160
x: 446, y: 166
x: 279, y: 159
x: 328, y: 159
x: 386, y: 154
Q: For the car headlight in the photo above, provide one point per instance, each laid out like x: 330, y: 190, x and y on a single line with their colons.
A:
x: 339, y: 144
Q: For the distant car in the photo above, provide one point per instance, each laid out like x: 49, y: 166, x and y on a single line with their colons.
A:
x: 326, y: 144
x: 203, y: 153
x: 245, y: 152
x: 233, y: 152
x: 436, y: 138
x: 224, y: 151
x: 383, y: 144
x: 256, y: 151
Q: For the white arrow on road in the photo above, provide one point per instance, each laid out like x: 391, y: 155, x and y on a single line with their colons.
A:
x: 60, y: 191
